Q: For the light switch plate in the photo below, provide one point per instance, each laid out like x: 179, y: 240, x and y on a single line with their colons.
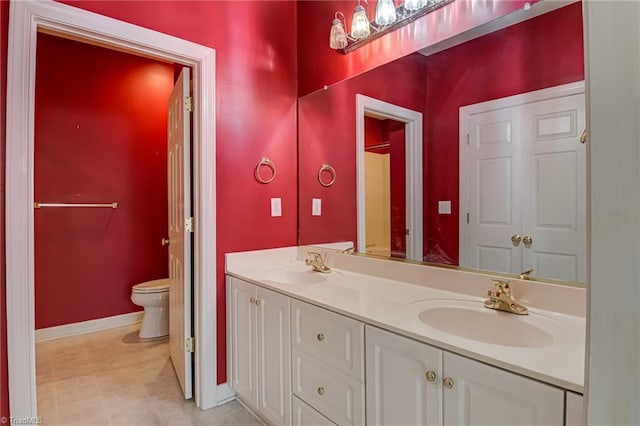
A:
x: 276, y: 207
x: 444, y: 207
x: 316, y: 207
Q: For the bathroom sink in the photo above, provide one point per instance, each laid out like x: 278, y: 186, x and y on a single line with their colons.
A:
x: 470, y: 320
x: 296, y: 274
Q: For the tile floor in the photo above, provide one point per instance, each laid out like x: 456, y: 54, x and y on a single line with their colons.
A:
x: 112, y: 378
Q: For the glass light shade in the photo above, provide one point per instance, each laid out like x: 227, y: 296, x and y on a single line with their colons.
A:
x: 360, y: 23
x: 412, y: 5
x: 385, y: 12
x: 337, y: 37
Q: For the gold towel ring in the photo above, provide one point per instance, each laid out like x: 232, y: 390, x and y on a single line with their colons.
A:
x: 264, y: 161
x: 332, y: 172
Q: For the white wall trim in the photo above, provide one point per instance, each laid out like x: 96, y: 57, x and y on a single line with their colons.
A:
x: 413, y: 181
x: 25, y: 19
x: 89, y: 326
x: 225, y: 393
x: 465, y: 116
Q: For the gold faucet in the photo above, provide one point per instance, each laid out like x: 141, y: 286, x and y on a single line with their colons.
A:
x: 349, y: 250
x: 524, y: 275
x: 317, y: 262
x: 501, y: 300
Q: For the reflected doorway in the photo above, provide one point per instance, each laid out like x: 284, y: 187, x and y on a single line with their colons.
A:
x: 383, y: 236
x: 384, y: 161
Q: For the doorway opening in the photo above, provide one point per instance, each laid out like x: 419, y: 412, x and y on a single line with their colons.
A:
x: 26, y: 19
x: 368, y: 108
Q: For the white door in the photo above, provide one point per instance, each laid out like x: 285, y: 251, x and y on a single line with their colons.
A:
x: 526, y: 189
x: 242, y: 339
x: 485, y: 395
x: 180, y: 268
x: 274, y: 356
x: 403, y: 379
x: 494, y: 201
x: 554, y: 202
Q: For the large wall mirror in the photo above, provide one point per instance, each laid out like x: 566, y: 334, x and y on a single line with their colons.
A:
x: 499, y: 181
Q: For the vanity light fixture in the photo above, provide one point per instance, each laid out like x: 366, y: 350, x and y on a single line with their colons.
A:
x: 388, y: 17
x: 385, y: 12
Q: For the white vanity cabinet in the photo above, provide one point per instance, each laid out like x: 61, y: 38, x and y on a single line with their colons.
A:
x: 409, y: 382
x: 479, y: 394
x: 575, y: 410
x: 404, y: 380
x: 259, y: 339
x: 328, y: 363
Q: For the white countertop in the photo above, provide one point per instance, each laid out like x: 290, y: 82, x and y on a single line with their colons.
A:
x: 395, y: 306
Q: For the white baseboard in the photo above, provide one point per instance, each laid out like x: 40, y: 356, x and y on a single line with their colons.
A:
x: 88, y: 326
x: 225, y: 393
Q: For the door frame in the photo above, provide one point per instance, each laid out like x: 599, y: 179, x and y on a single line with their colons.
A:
x: 25, y: 20
x: 372, y: 107
x: 466, y: 112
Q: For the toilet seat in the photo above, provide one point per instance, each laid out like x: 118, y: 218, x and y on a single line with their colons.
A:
x: 155, y: 286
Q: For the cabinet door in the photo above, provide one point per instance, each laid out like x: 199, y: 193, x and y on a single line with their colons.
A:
x: 575, y: 410
x: 485, y: 395
x: 304, y: 415
x: 398, y: 391
x: 274, y: 357
x: 243, y: 338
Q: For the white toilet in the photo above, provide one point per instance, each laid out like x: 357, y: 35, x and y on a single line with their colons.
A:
x: 153, y: 296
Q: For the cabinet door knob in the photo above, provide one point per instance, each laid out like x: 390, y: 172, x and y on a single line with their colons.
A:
x: 431, y: 376
x: 527, y: 240
x: 320, y: 391
x: 320, y: 337
x: 258, y: 302
x: 252, y: 300
x: 448, y: 382
x: 515, y: 239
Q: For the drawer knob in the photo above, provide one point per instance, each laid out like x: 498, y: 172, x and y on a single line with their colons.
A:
x: 252, y: 300
x: 448, y: 382
x: 431, y: 376
x: 320, y: 391
x: 258, y: 302
x: 320, y: 337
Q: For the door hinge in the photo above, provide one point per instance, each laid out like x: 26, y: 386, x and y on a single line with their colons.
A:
x: 467, y: 138
x: 467, y: 217
x: 188, y: 103
x: 188, y: 344
x: 188, y: 224
x: 406, y: 232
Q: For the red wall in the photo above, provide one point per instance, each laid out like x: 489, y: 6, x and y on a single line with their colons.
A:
x: 542, y: 52
x: 333, y: 111
x: 100, y: 136
x: 319, y: 65
x: 4, y: 385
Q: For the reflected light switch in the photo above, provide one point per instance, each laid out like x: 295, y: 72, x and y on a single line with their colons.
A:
x: 316, y: 207
x: 276, y: 207
x: 444, y: 207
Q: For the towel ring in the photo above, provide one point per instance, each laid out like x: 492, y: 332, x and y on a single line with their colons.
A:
x: 332, y: 172
x: 268, y: 163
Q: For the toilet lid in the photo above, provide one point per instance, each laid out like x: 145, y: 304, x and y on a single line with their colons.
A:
x: 155, y: 286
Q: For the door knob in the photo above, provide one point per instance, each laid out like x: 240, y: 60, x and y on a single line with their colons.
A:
x: 431, y: 376
x: 527, y: 240
x: 515, y: 238
x: 448, y: 382
x: 165, y: 241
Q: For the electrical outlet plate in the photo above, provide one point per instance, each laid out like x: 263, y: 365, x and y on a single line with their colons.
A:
x: 276, y: 207
x: 316, y: 207
x: 444, y: 207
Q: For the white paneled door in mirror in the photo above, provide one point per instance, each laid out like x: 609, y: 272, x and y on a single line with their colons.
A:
x: 525, y: 188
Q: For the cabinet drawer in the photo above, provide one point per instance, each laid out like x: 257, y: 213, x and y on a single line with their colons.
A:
x: 336, y: 395
x: 304, y: 415
x: 329, y: 337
